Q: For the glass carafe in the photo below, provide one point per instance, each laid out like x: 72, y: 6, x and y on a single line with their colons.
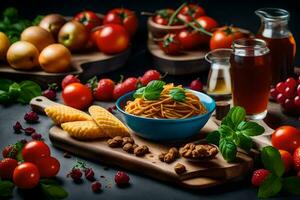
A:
x: 274, y: 30
x: 219, y: 81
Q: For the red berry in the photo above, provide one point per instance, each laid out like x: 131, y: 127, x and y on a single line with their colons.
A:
x: 68, y: 80
x: 31, y: 117
x: 288, y: 92
x: 296, y: 159
x: 280, y: 87
x: 259, y: 176
x: 130, y: 84
x: 96, y: 186
x: 104, y: 90
x: 280, y: 98
x: 7, y: 167
x: 89, y: 174
x: 36, y: 136
x: 291, y: 82
x: 121, y: 178
x: 273, y: 93
x: 196, y: 85
x: 29, y: 131
x: 149, y: 76
x: 17, y: 127
x: 119, y: 91
x: 9, y: 152
x: 297, y: 100
x: 75, y: 174
x: 50, y: 94
x: 298, y: 90
x: 289, y: 104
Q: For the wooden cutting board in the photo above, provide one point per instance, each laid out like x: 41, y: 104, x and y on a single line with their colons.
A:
x: 198, y: 175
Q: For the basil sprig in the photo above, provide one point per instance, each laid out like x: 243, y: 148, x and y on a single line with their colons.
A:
x: 275, y: 183
x: 234, y: 132
x: 151, y: 91
x: 21, y: 92
x: 177, y: 94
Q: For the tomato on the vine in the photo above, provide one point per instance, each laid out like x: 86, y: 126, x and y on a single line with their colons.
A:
x: 112, y: 38
x: 170, y: 44
x: 89, y: 19
x: 124, y: 17
x: 189, y: 39
x: 286, y: 138
x: 208, y: 24
x: 26, y: 176
x: 48, y: 166
x: 224, y: 36
x: 162, y: 17
x: 190, y: 12
x: 35, y: 150
x: 104, y: 90
x: 77, y: 95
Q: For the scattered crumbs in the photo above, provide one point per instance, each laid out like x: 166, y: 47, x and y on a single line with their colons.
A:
x: 67, y: 155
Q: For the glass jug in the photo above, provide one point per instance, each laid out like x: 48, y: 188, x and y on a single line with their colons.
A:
x: 274, y: 30
x: 219, y: 81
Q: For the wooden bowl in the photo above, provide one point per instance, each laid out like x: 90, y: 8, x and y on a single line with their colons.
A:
x: 158, y: 31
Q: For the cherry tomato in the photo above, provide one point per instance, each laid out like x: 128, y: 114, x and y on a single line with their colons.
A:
x: 209, y: 24
x: 119, y: 91
x: 162, y: 17
x: 296, y: 159
x: 224, y: 36
x: 130, y: 84
x: 104, y: 90
x: 149, y: 76
x: 35, y: 150
x: 287, y: 159
x: 196, y: 85
x: 89, y: 19
x: 190, y: 12
x: 26, y: 176
x: 68, y: 80
x: 77, y: 95
x: 124, y: 17
x: 291, y: 82
x: 48, y: 166
x: 7, y: 167
x: 286, y: 138
x: 189, y: 39
x: 170, y: 44
x: 112, y: 39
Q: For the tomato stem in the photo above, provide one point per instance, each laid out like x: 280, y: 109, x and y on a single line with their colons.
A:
x: 174, y: 15
x: 199, y: 29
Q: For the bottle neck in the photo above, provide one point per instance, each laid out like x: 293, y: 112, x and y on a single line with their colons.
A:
x: 274, y: 29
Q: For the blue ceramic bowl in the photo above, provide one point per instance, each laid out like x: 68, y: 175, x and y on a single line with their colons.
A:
x: 167, y: 129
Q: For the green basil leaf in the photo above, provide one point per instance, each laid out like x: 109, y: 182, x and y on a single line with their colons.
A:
x: 4, y: 84
x: 153, y: 90
x: 227, y: 121
x: 270, y: 187
x: 19, y: 146
x: 29, y: 90
x: 14, y: 90
x: 139, y: 93
x: 244, y: 141
x: 272, y: 160
x: 226, y: 131
x: 6, y: 188
x: 54, y: 191
x: 237, y: 114
x: 213, y: 137
x: 4, y: 97
x: 291, y: 185
x: 47, y: 181
x: 177, y: 94
x: 250, y: 128
x: 228, y: 149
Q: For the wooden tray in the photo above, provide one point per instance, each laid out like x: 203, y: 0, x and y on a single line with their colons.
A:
x: 188, y: 62
x: 198, y: 175
x: 85, y: 65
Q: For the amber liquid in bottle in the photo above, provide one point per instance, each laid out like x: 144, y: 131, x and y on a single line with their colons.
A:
x: 282, y: 51
x: 251, y: 78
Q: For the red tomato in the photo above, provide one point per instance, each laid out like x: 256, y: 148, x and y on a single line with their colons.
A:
x: 130, y: 84
x: 189, y: 39
x: 162, y: 17
x: 286, y: 138
x: 35, y: 150
x: 149, y: 76
x: 170, y: 44
x: 104, y: 90
x: 208, y: 24
x: 190, y: 12
x: 77, y: 96
x: 119, y: 91
x: 124, y: 17
x: 89, y: 19
x: 196, y: 85
x: 296, y: 159
x: 112, y: 39
x: 224, y: 36
x: 68, y: 80
x: 287, y: 159
x: 26, y: 176
x: 7, y: 167
x: 48, y: 166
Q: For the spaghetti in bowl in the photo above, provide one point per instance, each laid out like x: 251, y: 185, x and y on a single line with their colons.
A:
x: 170, y: 128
